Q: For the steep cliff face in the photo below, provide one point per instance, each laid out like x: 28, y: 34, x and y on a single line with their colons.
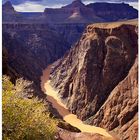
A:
x: 30, y: 48
x: 87, y: 75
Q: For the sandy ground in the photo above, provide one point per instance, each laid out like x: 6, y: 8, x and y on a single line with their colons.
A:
x: 52, y: 96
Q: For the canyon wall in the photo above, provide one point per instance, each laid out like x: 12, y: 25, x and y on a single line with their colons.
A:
x: 87, y: 76
x: 28, y: 49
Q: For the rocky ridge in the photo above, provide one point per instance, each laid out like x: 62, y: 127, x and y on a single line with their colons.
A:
x: 87, y: 76
x: 76, y: 12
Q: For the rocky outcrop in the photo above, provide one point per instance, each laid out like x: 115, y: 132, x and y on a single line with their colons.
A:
x: 88, y: 74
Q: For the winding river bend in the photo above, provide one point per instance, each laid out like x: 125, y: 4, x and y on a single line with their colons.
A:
x: 52, y: 97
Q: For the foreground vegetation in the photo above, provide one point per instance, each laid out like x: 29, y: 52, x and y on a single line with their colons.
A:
x: 24, y: 119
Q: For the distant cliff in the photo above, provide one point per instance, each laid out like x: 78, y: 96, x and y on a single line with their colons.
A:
x: 113, y: 11
x: 88, y: 76
x: 76, y: 12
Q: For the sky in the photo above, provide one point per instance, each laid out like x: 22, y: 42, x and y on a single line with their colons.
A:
x: 40, y: 5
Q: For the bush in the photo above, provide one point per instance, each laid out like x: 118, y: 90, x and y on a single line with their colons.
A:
x: 24, y: 119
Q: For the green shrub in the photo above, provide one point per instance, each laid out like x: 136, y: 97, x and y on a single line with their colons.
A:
x: 24, y: 119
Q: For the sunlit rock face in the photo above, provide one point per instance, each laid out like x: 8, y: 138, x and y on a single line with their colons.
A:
x: 96, y: 78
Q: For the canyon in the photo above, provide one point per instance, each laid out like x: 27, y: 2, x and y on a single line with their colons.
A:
x: 93, y: 53
x: 44, y: 41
